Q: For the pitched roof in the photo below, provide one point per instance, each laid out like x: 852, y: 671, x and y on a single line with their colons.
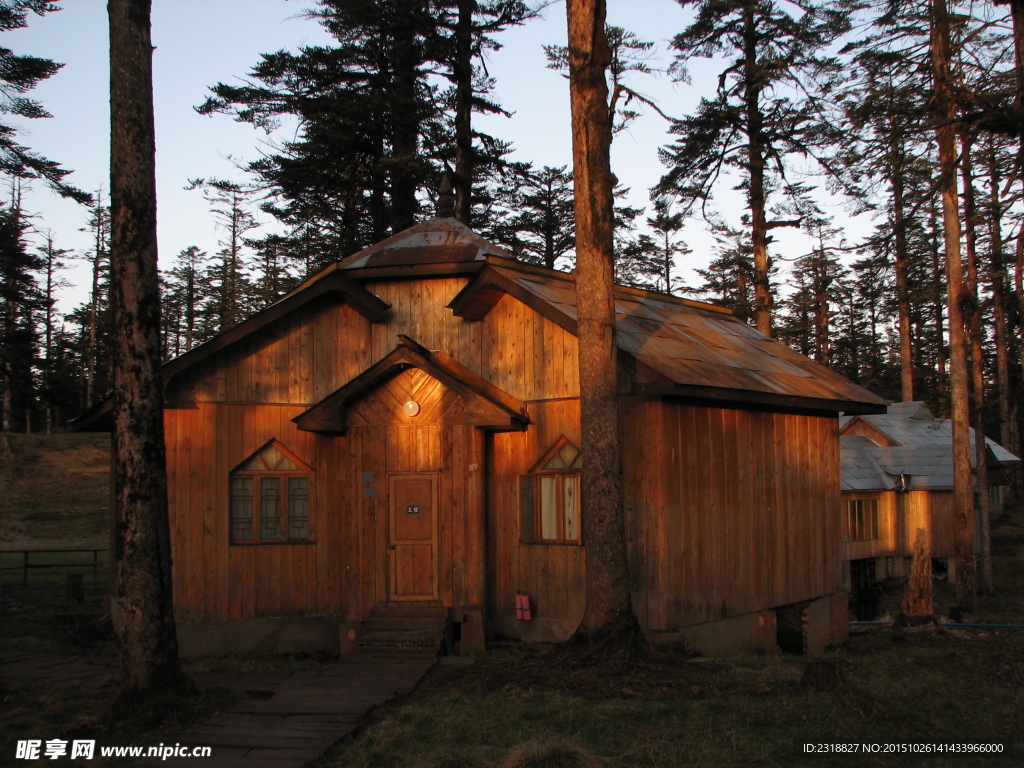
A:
x: 437, y: 241
x: 912, y: 425
x: 683, y: 347
x: 860, y: 471
x: 917, y: 446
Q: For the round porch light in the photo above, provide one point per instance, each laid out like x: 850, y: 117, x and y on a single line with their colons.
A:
x: 411, y: 408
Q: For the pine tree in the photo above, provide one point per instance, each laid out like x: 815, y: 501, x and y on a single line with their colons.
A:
x: 535, y: 220
x: 185, y: 291
x: 94, y: 318
x: 766, y: 107
x: 20, y: 302
x: 141, y: 557
x: 229, y: 202
x: 373, y: 124
x: 53, y: 389
x: 19, y: 74
x: 729, y: 277
x: 608, y: 617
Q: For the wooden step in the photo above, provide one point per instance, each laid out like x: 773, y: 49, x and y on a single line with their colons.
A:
x: 427, y: 632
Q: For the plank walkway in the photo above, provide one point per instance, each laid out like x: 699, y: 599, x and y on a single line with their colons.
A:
x: 280, y: 720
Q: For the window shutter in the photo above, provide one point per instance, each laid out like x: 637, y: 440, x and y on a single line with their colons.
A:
x: 526, y: 513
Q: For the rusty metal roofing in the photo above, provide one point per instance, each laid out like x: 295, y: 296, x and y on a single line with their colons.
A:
x: 437, y: 241
x: 693, y: 346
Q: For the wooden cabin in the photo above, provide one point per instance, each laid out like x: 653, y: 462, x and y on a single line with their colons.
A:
x: 897, y: 471
x: 401, y: 433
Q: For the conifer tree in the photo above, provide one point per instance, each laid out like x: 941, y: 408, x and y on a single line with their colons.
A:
x: 535, y: 219
x: 766, y: 107
x: 608, y: 617
x: 53, y: 389
x: 373, y: 124
x: 141, y: 547
x: 19, y: 74
x: 20, y: 302
x: 229, y: 203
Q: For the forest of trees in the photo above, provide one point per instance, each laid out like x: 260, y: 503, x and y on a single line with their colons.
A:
x: 810, y: 97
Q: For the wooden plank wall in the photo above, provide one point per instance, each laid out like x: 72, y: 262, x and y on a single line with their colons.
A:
x: 729, y: 511
x: 216, y: 581
x: 932, y: 510
x: 304, y: 357
x: 551, y: 574
x: 891, y: 537
x: 343, y: 569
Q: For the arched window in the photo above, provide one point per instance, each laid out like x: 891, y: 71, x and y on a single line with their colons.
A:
x: 549, y: 496
x: 270, y: 497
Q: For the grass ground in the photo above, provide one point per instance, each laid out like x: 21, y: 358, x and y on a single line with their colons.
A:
x: 513, y: 709
x: 55, y: 491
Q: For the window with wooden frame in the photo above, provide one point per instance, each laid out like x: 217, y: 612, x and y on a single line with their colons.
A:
x: 860, y: 519
x: 549, y: 497
x: 269, y: 497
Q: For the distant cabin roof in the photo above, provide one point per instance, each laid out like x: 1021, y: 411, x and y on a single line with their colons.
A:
x: 912, y: 425
x: 919, y: 447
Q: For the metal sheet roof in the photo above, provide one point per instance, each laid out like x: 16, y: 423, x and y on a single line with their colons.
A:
x: 924, y: 450
x: 694, y: 346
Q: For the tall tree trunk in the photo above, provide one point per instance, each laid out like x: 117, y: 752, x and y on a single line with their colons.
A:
x: 609, y: 611
x: 1000, y: 304
x: 463, y: 72
x: 1017, y: 14
x: 972, y: 318
x: 899, y: 227
x: 1009, y: 434
x: 937, y: 306
x: 945, y: 130
x: 756, y: 164
x: 141, y: 540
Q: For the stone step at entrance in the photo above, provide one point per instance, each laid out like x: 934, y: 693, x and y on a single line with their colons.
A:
x: 424, y: 629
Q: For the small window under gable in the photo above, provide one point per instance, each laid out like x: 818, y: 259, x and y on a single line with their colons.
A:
x: 270, y: 497
x: 549, y: 496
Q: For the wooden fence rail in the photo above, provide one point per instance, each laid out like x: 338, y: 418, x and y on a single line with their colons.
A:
x: 28, y: 565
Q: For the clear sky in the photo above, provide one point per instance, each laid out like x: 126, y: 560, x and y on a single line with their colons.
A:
x: 202, y: 42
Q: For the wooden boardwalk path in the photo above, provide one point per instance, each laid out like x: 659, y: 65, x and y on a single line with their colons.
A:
x: 280, y: 720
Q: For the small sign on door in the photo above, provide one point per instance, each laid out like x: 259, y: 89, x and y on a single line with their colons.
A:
x: 412, y: 510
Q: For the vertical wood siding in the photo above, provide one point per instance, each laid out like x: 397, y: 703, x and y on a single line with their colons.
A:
x: 728, y: 511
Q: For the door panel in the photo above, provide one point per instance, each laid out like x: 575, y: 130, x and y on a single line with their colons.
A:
x: 412, y: 536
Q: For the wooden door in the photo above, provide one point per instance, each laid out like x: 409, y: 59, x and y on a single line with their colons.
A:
x: 412, y: 536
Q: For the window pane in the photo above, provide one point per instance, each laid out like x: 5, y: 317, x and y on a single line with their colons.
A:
x: 555, y: 462
x: 272, y: 456
x: 270, y: 507
x: 298, y: 508
x: 871, y: 512
x: 571, y: 506
x: 569, y: 454
x: 548, y: 508
x: 241, y: 509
